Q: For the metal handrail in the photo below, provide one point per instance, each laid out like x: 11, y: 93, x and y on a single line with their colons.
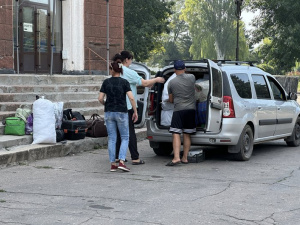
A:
x: 91, y: 50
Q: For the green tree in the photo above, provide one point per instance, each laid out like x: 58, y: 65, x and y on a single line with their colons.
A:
x: 212, y: 26
x: 144, y: 22
x: 176, y: 44
x: 278, y: 21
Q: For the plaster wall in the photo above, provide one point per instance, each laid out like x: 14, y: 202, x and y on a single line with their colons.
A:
x: 73, y: 35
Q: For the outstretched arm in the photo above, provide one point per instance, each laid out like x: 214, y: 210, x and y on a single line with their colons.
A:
x: 151, y: 82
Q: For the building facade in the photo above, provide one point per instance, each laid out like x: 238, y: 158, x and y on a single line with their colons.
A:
x: 60, y: 36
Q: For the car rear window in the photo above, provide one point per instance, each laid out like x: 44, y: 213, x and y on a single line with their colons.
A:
x: 217, y: 83
x: 242, y: 84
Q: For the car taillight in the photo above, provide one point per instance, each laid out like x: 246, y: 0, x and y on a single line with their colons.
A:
x: 228, y: 111
x: 151, y: 105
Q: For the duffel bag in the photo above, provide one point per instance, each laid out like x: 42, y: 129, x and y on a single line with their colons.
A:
x: 14, y: 126
x: 96, y: 126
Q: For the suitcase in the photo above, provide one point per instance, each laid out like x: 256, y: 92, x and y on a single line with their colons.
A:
x: 74, y: 129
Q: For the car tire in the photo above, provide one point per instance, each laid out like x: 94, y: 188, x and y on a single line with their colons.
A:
x: 294, y: 139
x: 245, y: 145
x: 164, y: 149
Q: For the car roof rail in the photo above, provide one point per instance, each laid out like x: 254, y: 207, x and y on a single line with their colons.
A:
x: 225, y: 61
x: 171, y: 62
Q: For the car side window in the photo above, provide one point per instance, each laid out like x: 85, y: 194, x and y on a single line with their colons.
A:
x: 278, y: 93
x: 261, y: 88
x: 242, y: 84
x: 217, y: 83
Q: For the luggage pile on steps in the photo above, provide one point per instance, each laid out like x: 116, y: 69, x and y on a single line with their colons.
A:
x: 77, y: 92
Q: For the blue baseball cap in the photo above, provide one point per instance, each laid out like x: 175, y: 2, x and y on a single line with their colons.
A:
x: 179, y: 65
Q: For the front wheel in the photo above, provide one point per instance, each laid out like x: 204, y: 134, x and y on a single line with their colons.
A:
x: 245, y: 145
x: 164, y: 149
x: 294, y: 139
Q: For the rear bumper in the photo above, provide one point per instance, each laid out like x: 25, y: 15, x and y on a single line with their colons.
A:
x: 229, y: 134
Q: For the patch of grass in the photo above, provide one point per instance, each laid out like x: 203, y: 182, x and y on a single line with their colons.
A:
x: 44, y: 167
x: 1, y: 190
x: 2, y: 201
x: 298, y: 87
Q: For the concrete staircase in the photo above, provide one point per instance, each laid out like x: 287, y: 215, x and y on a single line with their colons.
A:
x: 79, y: 92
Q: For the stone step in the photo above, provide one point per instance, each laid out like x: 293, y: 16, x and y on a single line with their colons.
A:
x: 34, y: 79
x: 12, y: 106
x: 52, y: 96
x: 29, y: 153
x: 50, y: 88
x: 1, y: 128
x: 7, y: 141
x: 86, y: 111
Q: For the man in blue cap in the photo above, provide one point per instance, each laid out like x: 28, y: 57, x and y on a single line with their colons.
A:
x: 182, y: 93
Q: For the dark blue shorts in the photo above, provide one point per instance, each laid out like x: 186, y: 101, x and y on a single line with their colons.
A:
x: 183, y: 121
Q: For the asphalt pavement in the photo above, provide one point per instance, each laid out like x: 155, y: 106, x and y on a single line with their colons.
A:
x: 79, y: 189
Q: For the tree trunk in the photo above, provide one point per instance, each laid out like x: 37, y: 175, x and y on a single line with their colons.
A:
x: 220, y: 54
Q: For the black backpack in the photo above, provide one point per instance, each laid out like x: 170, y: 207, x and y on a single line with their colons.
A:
x: 69, y: 115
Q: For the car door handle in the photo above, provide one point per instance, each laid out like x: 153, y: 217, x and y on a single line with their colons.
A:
x: 278, y: 108
x: 259, y: 107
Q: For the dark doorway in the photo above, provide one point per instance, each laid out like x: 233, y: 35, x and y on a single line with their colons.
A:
x: 35, y: 39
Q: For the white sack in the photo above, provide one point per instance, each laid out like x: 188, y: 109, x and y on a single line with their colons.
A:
x: 43, y: 122
x: 166, y: 117
x: 165, y: 95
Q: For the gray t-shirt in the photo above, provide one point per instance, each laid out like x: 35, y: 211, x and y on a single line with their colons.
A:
x: 182, y: 87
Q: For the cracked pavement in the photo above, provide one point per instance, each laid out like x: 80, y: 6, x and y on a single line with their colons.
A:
x: 80, y: 190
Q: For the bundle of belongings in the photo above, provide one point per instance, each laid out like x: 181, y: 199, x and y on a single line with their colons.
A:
x: 21, y: 123
x: 47, y: 118
x: 201, y: 102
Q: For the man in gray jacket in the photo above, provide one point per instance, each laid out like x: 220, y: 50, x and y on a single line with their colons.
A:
x: 182, y: 93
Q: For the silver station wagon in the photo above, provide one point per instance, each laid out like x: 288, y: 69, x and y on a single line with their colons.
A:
x: 238, y: 105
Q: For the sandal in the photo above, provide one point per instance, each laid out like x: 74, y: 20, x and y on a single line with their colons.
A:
x: 171, y: 163
x: 138, y: 163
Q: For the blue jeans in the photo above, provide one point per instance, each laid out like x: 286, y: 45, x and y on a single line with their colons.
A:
x: 117, y: 121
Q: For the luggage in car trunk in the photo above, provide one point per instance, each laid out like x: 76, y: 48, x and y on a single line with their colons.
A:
x: 74, y: 129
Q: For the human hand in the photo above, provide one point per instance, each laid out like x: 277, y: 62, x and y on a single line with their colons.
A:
x: 160, y: 80
x: 135, y: 117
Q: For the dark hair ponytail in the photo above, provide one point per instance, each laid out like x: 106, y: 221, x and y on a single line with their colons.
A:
x: 117, y: 66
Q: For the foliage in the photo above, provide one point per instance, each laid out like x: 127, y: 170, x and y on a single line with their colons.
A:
x: 144, y: 22
x: 278, y: 21
x: 176, y: 44
x: 212, y: 26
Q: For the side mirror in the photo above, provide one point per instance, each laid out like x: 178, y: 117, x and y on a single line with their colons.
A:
x: 292, y: 96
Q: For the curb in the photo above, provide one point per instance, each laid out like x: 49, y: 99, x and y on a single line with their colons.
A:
x: 30, y: 153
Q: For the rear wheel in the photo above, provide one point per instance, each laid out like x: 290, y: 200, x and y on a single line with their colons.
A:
x: 164, y: 149
x: 245, y: 145
x: 294, y: 139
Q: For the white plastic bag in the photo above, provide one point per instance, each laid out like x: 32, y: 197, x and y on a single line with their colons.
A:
x: 58, y: 111
x: 166, y: 117
x: 43, y: 122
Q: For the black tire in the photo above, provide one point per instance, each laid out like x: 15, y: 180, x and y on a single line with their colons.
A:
x: 294, y: 139
x: 164, y: 149
x: 245, y: 145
